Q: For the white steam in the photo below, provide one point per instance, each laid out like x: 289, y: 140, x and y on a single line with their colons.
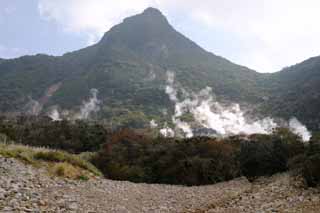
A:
x: 299, y: 129
x: 33, y: 107
x: 184, y: 126
x: 172, y: 92
x: 55, y: 115
x: 224, y: 120
x: 167, y: 132
x: 153, y: 124
x: 229, y: 120
x: 90, y: 106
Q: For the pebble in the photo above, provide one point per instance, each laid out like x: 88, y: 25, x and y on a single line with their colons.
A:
x: 27, y: 189
x: 73, y: 206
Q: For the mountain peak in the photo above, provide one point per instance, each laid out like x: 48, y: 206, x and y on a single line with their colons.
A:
x: 152, y: 11
x: 139, y: 29
x: 149, y: 15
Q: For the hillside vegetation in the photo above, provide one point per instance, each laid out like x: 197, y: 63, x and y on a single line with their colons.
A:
x: 296, y: 91
x: 139, y: 157
x: 128, y: 67
x: 49, y: 185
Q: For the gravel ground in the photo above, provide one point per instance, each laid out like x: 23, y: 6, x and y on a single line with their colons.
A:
x: 26, y: 189
x: 280, y: 193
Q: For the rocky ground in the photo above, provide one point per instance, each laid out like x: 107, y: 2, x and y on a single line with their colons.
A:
x: 27, y: 189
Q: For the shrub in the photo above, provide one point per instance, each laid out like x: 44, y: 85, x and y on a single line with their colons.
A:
x: 129, y: 155
x: 296, y: 164
x: 74, y: 137
x: 196, y: 161
x: 292, y: 142
x: 266, y: 155
x: 311, y: 166
x: 311, y: 170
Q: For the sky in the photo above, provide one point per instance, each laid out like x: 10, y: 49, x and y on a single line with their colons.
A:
x: 265, y: 35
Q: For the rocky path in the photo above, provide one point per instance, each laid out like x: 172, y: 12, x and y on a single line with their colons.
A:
x: 26, y: 189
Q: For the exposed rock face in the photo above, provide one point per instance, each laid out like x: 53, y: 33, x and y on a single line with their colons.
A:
x: 26, y: 189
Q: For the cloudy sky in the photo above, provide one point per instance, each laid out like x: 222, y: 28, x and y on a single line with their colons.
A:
x: 265, y: 35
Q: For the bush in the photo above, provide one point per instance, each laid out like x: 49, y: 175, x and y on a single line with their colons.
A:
x: 74, y: 137
x: 296, y: 164
x: 197, y: 161
x: 265, y: 155
x: 292, y: 142
x: 138, y: 157
x: 311, y: 170
x: 311, y: 165
x: 259, y: 159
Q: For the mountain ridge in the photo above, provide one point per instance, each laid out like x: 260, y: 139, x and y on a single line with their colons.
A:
x: 128, y: 66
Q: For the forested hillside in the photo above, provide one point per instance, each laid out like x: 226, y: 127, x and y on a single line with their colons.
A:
x: 128, y: 67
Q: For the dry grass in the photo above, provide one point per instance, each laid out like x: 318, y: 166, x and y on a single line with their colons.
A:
x: 67, y: 170
x: 57, y: 162
x: 64, y: 157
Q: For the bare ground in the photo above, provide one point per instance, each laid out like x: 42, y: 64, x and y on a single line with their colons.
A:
x: 27, y: 189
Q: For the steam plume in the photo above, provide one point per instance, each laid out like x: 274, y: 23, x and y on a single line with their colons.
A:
x: 153, y: 124
x: 167, y: 132
x: 230, y: 120
x: 299, y: 129
x: 90, y: 106
x: 224, y: 120
x: 33, y: 107
x: 179, y: 107
x: 55, y: 115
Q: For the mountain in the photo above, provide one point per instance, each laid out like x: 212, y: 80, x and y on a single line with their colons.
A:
x: 2, y: 60
x: 128, y: 66
x: 296, y: 91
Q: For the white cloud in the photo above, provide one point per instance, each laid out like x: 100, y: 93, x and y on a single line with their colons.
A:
x: 275, y: 33
x: 91, y: 17
x: 9, y: 10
